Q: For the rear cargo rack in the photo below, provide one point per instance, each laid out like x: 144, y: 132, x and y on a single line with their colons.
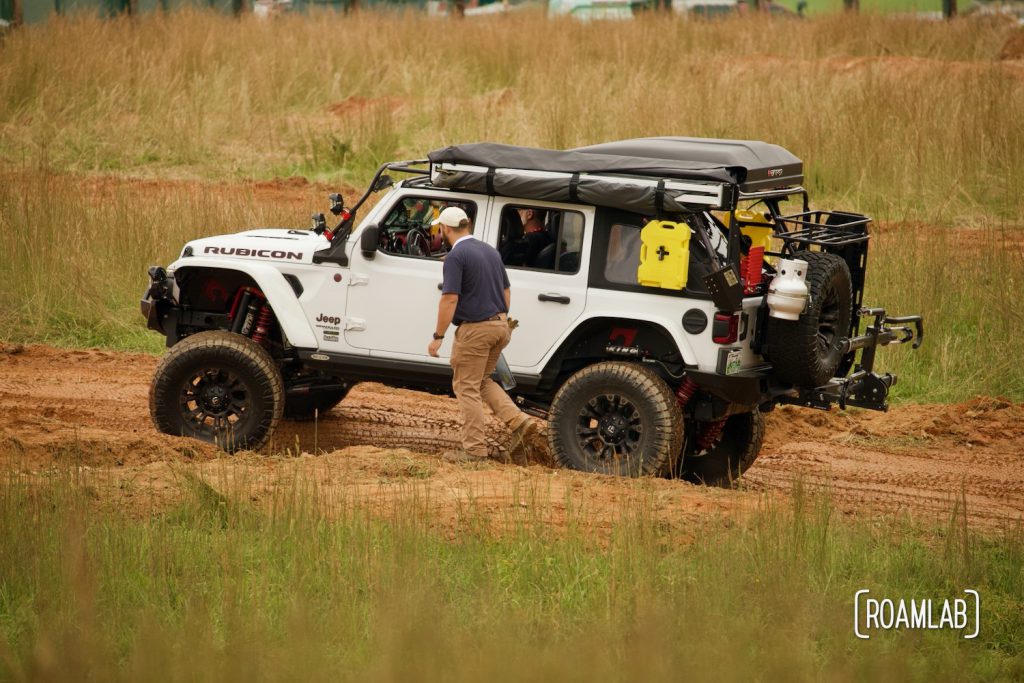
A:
x: 823, y: 228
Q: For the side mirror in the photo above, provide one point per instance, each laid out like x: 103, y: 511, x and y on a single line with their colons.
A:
x: 368, y: 240
x: 383, y: 182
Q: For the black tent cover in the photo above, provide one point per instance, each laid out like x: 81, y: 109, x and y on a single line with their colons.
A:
x: 750, y: 164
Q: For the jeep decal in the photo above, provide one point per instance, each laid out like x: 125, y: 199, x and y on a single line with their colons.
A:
x: 256, y: 253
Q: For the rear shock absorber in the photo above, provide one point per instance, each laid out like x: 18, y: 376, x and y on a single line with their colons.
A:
x: 710, y: 435
x: 711, y: 431
x: 264, y: 322
x: 685, y: 392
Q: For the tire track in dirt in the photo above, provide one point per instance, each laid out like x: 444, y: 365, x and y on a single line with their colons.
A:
x: 90, y: 408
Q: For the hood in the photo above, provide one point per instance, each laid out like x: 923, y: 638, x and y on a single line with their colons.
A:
x: 280, y: 245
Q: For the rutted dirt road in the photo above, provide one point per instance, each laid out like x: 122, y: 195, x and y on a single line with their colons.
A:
x: 379, y: 447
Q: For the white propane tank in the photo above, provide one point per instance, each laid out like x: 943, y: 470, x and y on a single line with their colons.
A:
x: 787, y: 294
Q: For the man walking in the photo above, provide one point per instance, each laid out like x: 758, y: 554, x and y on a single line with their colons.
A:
x: 475, y: 296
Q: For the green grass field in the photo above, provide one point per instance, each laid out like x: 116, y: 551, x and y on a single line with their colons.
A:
x: 121, y: 140
x: 220, y: 589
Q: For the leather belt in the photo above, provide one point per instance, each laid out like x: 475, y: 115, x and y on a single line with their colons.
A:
x: 496, y: 316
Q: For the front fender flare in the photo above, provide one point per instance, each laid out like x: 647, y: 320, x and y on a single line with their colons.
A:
x: 271, y: 282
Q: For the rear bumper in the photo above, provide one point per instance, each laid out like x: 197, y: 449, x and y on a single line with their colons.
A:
x: 864, y: 388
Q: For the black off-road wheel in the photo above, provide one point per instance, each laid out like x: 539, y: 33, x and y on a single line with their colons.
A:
x: 806, y: 352
x: 218, y: 387
x: 729, y: 457
x: 315, y: 401
x: 615, y: 418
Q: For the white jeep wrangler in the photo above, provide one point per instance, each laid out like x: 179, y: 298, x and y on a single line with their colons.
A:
x: 665, y: 303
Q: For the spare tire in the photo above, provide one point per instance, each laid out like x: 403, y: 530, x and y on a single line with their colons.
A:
x: 807, y: 352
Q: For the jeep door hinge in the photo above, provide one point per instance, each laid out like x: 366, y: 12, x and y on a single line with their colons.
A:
x: 355, y: 324
x: 356, y: 279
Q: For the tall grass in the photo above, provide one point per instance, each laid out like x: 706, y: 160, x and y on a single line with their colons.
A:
x: 75, y: 255
x: 920, y: 134
x: 913, y: 122
x: 219, y: 590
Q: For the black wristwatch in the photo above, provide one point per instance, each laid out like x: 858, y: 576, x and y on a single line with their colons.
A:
x: 438, y: 336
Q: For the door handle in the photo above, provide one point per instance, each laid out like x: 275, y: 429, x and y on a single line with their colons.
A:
x: 556, y: 298
x: 440, y: 286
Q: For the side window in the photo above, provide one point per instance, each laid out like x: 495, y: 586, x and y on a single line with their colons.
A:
x: 623, y: 259
x: 541, y: 239
x: 407, y: 229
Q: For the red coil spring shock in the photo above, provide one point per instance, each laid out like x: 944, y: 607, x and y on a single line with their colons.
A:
x: 710, y: 435
x: 685, y: 392
x: 712, y: 431
x: 263, y: 324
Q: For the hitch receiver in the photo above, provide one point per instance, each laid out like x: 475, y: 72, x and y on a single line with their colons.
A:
x: 864, y: 388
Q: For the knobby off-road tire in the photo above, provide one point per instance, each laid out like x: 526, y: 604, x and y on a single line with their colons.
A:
x: 806, y: 352
x: 736, y: 450
x: 218, y: 387
x: 615, y: 418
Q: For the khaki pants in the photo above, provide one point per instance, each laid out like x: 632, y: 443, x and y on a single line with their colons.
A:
x: 474, y: 356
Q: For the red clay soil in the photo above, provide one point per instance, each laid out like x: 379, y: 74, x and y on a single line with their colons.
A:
x: 379, y: 448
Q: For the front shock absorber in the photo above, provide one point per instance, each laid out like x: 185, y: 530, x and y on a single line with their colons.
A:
x: 264, y: 323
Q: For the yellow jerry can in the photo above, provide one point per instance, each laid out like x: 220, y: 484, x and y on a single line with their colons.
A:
x: 757, y: 226
x: 664, y: 255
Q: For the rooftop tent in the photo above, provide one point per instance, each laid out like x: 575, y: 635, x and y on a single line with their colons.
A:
x: 755, y: 165
x: 646, y: 176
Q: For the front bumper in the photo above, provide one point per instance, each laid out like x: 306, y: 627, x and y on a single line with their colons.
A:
x: 158, y: 299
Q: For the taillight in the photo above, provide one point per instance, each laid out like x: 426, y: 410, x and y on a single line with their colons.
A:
x: 726, y: 328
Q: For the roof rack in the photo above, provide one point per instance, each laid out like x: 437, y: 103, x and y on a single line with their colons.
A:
x: 643, y: 194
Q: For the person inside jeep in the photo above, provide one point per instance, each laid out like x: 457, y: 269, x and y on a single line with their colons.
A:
x: 535, y: 234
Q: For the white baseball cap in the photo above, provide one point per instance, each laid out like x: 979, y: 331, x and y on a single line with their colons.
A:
x: 451, y: 216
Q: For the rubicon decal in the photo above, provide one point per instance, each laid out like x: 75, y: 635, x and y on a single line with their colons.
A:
x: 254, y: 253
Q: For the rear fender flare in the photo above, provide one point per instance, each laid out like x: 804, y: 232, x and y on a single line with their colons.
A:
x: 594, y: 333
x: 289, y: 313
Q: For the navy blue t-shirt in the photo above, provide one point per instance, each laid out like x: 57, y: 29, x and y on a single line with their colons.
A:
x: 474, y: 271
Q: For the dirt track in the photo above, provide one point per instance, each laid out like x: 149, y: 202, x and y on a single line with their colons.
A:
x: 379, y: 447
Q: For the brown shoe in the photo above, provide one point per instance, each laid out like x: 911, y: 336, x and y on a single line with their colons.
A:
x: 528, y: 444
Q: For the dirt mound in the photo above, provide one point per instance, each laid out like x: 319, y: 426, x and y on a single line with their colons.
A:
x: 976, y: 422
x: 1014, y: 47
x: 378, y: 448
